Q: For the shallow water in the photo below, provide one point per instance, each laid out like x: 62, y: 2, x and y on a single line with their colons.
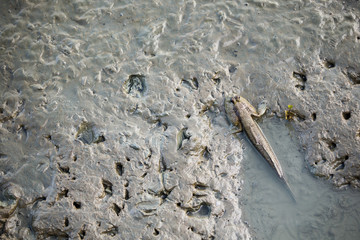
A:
x: 320, y: 211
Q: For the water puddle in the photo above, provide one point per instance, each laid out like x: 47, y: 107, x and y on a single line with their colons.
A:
x: 320, y: 211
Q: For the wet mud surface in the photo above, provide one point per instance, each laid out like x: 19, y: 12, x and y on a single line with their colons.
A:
x: 112, y: 124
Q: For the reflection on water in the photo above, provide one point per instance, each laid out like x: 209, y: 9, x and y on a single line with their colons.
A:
x: 321, y: 212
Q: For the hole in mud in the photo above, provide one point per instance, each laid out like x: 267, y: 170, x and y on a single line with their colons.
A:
x: 64, y: 169
x: 119, y: 168
x: 74, y: 158
x: 156, y: 232
x: 48, y: 137
x: 82, y: 233
x: 127, y: 159
x: 126, y: 194
x: 313, y: 116
x: 188, y: 115
x: 77, y: 205
x: 331, y: 145
x: 66, y: 222
x: 300, y: 76
x: 63, y: 193
x: 116, y: 209
x: 329, y: 63
x: 1, y: 110
x: 126, y: 184
x: 346, y: 115
x: 107, y: 185
x: 100, y: 139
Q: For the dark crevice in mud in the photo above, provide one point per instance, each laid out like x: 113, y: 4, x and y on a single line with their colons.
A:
x: 329, y: 63
x: 74, y: 158
x: 301, y: 87
x: 346, y: 115
x: 107, y: 185
x: 119, y: 168
x: 191, y: 84
x: 82, y: 233
x: 62, y: 194
x: 77, y: 205
x: 200, y: 186
x: 126, y: 195
x: 331, y: 144
x: 64, y: 169
x: 116, y: 209
x: 156, y: 232
x: 302, y: 78
x: 162, y: 164
x: 313, y: 116
x: 112, y: 231
x: 100, y: 139
x: 66, y: 222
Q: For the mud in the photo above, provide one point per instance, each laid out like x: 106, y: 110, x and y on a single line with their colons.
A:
x: 112, y: 122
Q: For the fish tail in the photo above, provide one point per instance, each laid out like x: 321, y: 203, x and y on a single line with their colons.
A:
x: 289, y: 190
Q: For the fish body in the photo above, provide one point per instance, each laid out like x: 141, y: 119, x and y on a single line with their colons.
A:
x: 245, y: 112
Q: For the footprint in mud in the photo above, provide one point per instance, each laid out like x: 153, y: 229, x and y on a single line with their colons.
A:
x: 339, y: 163
x: 135, y: 85
x: 302, y: 78
x: 203, y: 210
x: 192, y: 84
x: 88, y: 134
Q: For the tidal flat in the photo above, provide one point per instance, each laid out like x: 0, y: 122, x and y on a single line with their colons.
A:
x: 112, y: 121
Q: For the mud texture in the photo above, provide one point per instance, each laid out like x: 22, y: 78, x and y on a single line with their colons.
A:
x: 112, y: 122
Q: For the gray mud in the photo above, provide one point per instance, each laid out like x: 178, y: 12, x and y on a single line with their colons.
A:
x: 111, y: 112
